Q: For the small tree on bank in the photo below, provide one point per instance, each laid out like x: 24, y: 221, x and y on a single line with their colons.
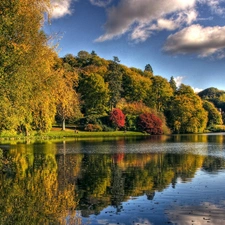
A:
x: 118, y: 118
x: 150, y: 123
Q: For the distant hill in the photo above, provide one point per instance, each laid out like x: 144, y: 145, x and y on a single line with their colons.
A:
x: 211, y: 93
x: 214, y: 95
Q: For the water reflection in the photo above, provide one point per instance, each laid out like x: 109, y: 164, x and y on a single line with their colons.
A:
x: 99, y: 182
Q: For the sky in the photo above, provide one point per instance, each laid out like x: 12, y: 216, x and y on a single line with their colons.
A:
x: 180, y: 38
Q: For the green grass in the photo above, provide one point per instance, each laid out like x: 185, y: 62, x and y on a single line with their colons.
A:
x: 80, y: 134
x: 57, y: 133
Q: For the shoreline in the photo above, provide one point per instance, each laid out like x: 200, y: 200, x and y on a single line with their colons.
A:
x: 68, y: 133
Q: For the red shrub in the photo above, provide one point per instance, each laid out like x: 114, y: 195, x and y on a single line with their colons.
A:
x: 150, y: 123
x: 118, y: 118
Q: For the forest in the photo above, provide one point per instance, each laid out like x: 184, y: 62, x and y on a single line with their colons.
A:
x: 39, y: 89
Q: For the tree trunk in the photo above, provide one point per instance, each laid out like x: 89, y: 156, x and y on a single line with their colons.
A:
x: 63, y: 124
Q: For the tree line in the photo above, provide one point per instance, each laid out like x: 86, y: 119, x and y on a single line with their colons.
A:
x: 39, y: 89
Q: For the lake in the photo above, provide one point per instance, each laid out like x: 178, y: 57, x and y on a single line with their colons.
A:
x: 177, y: 179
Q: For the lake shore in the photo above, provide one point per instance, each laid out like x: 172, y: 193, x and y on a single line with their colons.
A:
x: 58, y: 133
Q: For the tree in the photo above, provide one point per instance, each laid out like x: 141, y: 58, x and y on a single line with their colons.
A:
x: 83, y: 58
x: 135, y: 86
x: 214, y: 116
x: 68, y: 103
x: 173, y: 84
x: 94, y: 94
x: 114, y: 79
x: 185, y: 112
x: 70, y: 60
x: 26, y: 62
x: 118, y: 118
x: 160, y: 93
x: 214, y: 95
x: 150, y: 123
x: 148, y: 68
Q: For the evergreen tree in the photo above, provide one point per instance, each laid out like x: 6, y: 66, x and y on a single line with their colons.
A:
x: 173, y: 84
x: 114, y: 79
x: 148, y: 68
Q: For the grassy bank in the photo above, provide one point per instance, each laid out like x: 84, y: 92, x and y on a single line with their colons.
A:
x: 57, y: 133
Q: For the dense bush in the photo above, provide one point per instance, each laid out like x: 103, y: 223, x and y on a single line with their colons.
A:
x: 93, y: 127
x: 131, y: 122
x: 107, y: 128
x: 150, y: 123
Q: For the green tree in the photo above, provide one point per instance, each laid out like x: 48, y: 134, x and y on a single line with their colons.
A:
x: 185, y: 112
x: 135, y: 86
x: 94, y: 94
x: 149, y: 68
x: 214, y: 95
x: 26, y: 61
x: 173, y: 84
x: 114, y: 79
x: 160, y: 93
x: 214, y: 116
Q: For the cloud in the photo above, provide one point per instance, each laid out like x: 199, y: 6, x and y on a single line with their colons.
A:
x: 144, y: 30
x: 202, y: 214
x: 204, y: 41
x: 197, y: 90
x: 100, y: 3
x: 214, y: 5
x: 60, y: 8
x: 179, y: 80
x: 138, y: 17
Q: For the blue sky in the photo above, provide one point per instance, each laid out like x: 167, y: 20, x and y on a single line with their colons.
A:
x: 180, y: 38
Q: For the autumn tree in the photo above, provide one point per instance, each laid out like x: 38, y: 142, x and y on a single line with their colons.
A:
x: 185, y: 112
x: 150, y: 123
x: 214, y: 115
x: 160, y: 93
x: 135, y: 86
x: 132, y: 111
x: 26, y: 62
x: 68, y: 102
x: 118, y: 118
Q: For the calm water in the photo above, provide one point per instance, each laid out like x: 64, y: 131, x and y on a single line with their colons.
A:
x: 156, y: 180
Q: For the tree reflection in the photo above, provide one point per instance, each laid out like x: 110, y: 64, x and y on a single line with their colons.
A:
x: 107, y: 179
x: 29, y: 190
x: 38, y: 186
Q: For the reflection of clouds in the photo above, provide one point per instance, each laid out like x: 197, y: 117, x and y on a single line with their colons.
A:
x: 206, y: 213
x: 143, y: 222
x: 138, y: 222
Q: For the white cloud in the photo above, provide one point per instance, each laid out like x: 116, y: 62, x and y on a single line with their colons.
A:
x: 179, y: 80
x: 202, y: 214
x: 144, y: 30
x: 139, y: 16
x: 143, y: 18
x: 204, y: 41
x: 197, y: 90
x: 60, y: 8
x: 100, y: 3
x: 215, y: 6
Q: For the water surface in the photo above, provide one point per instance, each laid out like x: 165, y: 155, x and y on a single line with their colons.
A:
x: 176, y: 179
